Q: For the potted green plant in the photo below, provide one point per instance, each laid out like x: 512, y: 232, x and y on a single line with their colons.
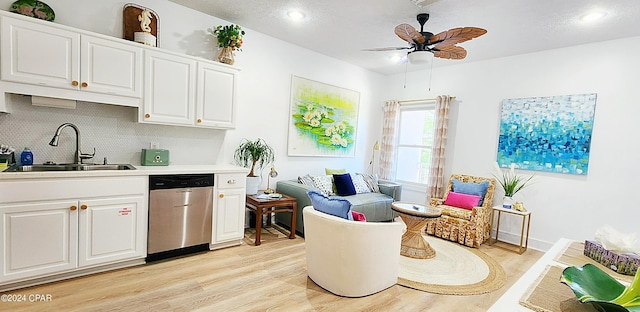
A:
x: 511, y: 183
x: 253, y: 154
x: 229, y: 39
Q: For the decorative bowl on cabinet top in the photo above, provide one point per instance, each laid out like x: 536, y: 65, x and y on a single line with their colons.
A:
x: 33, y: 8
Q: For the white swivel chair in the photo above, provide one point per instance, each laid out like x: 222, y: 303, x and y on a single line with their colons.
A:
x: 351, y: 258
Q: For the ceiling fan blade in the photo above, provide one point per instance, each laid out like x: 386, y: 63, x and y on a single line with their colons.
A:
x: 450, y: 52
x: 387, y: 49
x: 456, y: 35
x: 409, y: 34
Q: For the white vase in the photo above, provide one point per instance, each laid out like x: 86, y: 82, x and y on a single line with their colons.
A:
x: 507, y: 202
x: 253, y: 183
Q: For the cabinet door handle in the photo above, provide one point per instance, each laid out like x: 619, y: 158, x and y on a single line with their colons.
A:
x: 83, y: 207
x: 147, y: 116
x: 232, y: 181
x: 199, y: 120
x: 84, y: 84
x: 221, y: 195
x: 74, y: 83
x: 73, y: 208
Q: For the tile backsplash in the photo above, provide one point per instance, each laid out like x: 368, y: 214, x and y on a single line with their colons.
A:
x: 112, y: 130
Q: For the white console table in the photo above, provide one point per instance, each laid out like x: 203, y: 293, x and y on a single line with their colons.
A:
x: 510, y: 299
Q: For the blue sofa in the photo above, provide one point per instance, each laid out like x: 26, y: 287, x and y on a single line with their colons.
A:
x: 375, y: 206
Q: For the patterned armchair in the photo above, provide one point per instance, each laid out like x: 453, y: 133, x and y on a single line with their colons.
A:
x: 467, y: 227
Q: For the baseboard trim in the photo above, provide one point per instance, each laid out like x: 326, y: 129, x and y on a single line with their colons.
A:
x: 68, y: 275
x: 514, y: 238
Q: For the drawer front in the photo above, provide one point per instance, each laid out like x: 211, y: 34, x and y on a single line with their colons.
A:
x: 230, y: 180
x: 71, y: 188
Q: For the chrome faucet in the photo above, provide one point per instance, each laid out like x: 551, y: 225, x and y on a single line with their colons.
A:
x: 78, y: 156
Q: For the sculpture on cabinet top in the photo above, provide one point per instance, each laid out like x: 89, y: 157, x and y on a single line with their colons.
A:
x: 145, y: 20
x: 140, y: 24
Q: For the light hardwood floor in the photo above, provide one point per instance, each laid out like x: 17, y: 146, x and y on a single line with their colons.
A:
x: 269, y: 277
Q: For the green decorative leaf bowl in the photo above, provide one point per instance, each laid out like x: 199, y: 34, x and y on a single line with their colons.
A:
x: 33, y: 8
x: 592, y: 285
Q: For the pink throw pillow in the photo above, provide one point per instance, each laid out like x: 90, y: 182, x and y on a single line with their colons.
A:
x: 358, y: 216
x: 460, y: 200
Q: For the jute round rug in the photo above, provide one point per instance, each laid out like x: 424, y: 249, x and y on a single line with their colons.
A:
x: 455, y: 270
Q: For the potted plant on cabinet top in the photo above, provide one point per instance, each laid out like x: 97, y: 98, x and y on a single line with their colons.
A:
x: 255, y: 154
x: 229, y: 39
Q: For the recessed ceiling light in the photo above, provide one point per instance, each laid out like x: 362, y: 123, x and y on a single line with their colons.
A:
x: 296, y: 15
x: 592, y: 16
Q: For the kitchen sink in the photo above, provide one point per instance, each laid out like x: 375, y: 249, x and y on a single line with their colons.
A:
x: 68, y: 167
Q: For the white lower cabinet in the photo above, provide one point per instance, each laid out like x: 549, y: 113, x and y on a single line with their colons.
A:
x: 110, y: 230
x: 44, y: 234
x: 38, y: 239
x: 228, y: 210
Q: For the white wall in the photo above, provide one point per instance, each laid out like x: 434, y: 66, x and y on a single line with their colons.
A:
x: 562, y: 205
x: 267, y: 65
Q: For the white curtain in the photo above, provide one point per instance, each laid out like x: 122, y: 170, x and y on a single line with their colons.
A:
x: 436, y: 185
x: 387, y: 150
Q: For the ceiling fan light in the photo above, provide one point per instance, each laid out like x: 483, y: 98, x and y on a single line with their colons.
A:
x: 419, y: 57
x: 395, y: 58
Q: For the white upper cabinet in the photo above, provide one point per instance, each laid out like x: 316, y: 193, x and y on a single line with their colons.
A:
x: 52, y: 57
x: 111, y: 67
x: 34, y: 54
x: 169, y: 89
x: 181, y: 90
x: 215, y: 106
x: 51, y: 60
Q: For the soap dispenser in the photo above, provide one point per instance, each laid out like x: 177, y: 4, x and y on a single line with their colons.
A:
x: 26, y: 158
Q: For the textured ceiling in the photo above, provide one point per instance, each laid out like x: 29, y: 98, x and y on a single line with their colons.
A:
x: 343, y: 28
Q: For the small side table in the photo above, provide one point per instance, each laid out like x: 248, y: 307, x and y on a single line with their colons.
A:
x: 526, y: 218
x: 267, y: 206
x: 415, y: 217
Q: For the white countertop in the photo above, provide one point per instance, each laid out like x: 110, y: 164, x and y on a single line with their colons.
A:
x: 139, y: 171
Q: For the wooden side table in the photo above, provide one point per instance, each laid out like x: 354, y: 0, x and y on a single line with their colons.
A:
x: 526, y: 218
x: 415, y: 218
x: 267, y: 206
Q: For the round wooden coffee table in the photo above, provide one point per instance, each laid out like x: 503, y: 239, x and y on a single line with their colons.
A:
x: 415, y: 217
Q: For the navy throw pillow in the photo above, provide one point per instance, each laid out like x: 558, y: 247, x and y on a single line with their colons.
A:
x: 344, y: 184
x: 334, y: 206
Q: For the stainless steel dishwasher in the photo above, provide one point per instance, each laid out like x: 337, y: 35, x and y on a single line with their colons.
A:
x: 180, y: 214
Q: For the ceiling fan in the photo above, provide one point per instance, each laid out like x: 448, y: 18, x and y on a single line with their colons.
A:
x: 442, y: 45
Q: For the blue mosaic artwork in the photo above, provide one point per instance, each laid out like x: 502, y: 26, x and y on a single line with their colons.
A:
x: 547, y: 133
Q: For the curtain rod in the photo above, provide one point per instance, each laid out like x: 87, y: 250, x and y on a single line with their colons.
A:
x: 421, y: 100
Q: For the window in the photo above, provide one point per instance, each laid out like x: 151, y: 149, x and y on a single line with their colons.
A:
x: 415, y: 138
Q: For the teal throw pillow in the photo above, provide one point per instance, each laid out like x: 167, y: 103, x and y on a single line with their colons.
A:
x: 471, y: 188
x: 334, y: 206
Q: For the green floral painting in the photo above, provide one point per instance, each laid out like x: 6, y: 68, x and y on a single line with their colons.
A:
x: 323, y: 119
